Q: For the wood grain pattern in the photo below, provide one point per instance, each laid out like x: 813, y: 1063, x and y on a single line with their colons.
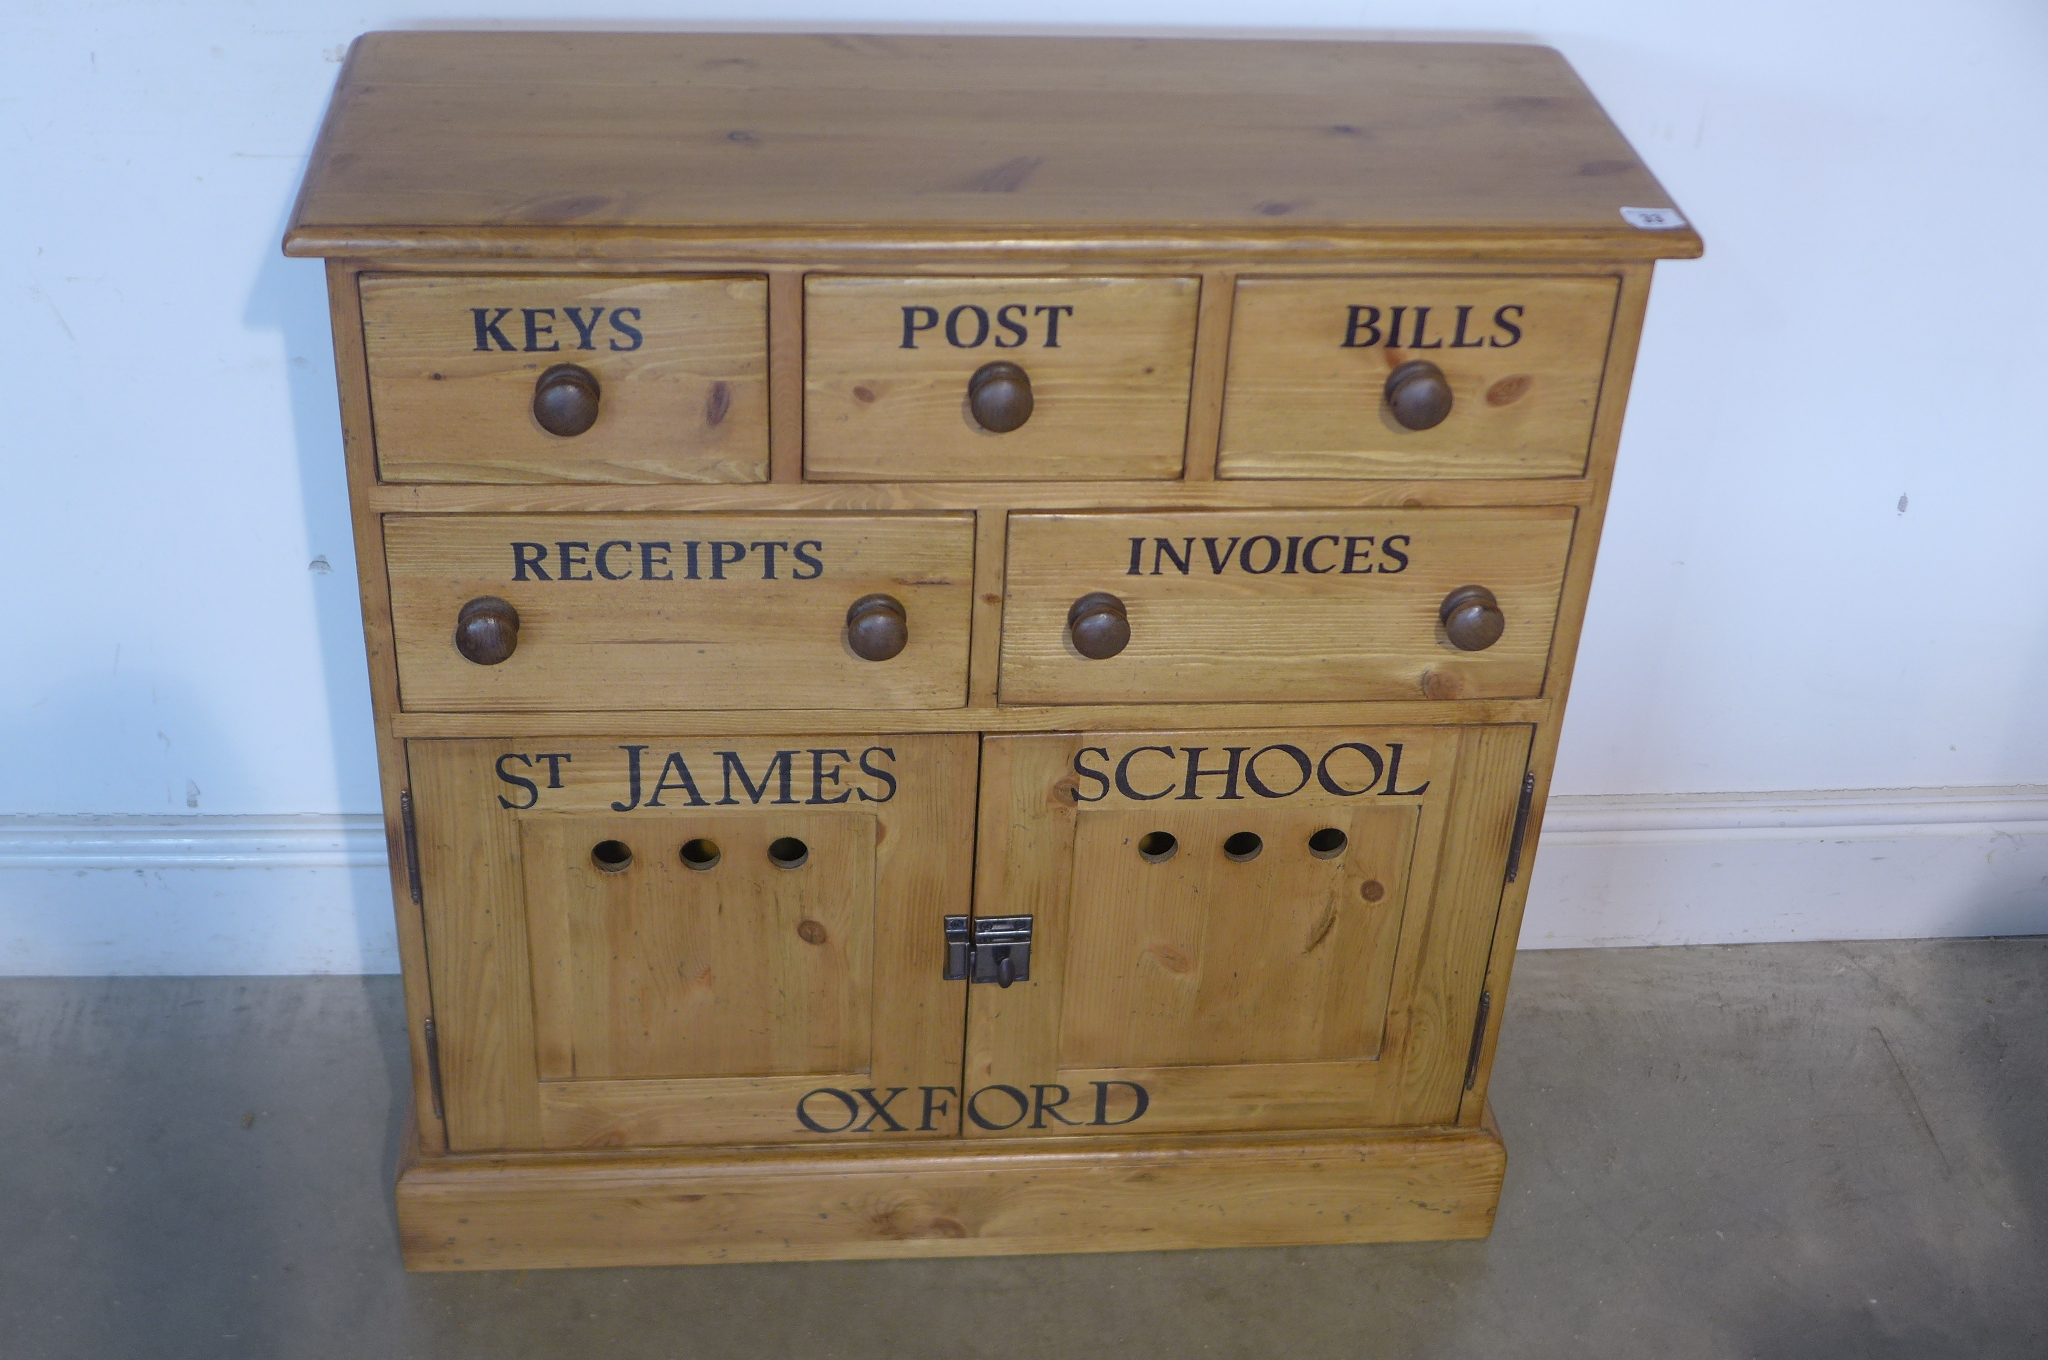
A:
x: 1009, y: 718
x: 987, y: 497
x: 740, y: 969
x: 1199, y: 959
x: 1237, y: 1097
x: 1109, y: 377
x: 1456, y: 938
x: 786, y: 376
x: 763, y: 628
x: 1216, y: 614
x: 477, y: 950
x: 973, y: 249
x: 736, y: 1111
x: 1305, y: 392
x: 991, y: 536
x: 374, y: 594
x: 1023, y: 866
x: 681, y: 365
x: 959, y: 1199
x: 1212, y: 353
x: 1206, y: 992
x: 499, y: 140
x: 577, y: 1012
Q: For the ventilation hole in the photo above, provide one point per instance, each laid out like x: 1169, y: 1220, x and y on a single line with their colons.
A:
x: 611, y: 856
x: 1245, y: 845
x: 787, y: 852
x: 1328, y: 843
x: 1157, y: 847
x: 701, y: 853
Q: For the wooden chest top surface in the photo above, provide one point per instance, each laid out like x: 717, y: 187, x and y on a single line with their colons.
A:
x: 469, y: 142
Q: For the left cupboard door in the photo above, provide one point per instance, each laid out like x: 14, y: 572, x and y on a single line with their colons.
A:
x: 645, y: 941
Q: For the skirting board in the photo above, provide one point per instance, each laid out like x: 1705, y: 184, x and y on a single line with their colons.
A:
x: 1745, y: 868
x: 205, y: 894
x: 194, y: 896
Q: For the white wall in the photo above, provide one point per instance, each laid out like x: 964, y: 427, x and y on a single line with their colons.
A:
x: 1821, y: 568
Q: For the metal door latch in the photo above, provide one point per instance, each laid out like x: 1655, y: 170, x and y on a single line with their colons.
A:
x: 998, y: 950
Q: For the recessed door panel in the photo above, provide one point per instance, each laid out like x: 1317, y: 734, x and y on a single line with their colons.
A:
x: 683, y: 946
x: 1181, y: 951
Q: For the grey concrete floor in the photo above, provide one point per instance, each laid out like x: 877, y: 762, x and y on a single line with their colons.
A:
x: 1776, y: 1150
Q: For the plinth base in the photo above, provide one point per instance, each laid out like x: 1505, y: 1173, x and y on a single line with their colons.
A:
x: 976, y: 1198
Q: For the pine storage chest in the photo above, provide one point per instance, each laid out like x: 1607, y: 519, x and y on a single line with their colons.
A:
x: 967, y: 634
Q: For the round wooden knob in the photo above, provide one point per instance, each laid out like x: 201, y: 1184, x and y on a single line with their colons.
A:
x: 1100, y: 626
x: 1418, y: 394
x: 487, y: 630
x: 877, y: 627
x: 1472, y: 619
x: 565, y: 400
x: 999, y: 396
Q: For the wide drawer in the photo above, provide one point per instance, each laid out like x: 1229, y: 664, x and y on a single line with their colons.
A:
x: 676, y: 611
x: 1280, y: 605
x: 1310, y: 359
x: 636, y: 379
x: 889, y: 364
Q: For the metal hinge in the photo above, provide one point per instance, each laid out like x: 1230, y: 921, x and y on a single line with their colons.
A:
x: 433, y: 1041
x: 412, y: 847
x: 1478, y: 1039
x: 998, y: 950
x: 1521, y: 825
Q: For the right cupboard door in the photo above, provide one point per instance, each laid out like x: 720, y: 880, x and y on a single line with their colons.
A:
x: 1238, y: 930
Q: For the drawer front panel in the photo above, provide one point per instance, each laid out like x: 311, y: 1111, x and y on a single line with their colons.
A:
x: 623, y: 612
x: 1305, y: 605
x: 680, y: 367
x: 889, y: 362
x: 1305, y: 394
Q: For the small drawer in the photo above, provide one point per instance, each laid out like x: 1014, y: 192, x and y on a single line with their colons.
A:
x: 899, y: 383
x: 1307, y: 392
x: 527, y: 613
x: 568, y: 378
x: 1272, y: 606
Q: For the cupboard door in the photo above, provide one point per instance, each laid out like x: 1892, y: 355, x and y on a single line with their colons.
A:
x: 1238, y: 930
x: 646, y: 942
